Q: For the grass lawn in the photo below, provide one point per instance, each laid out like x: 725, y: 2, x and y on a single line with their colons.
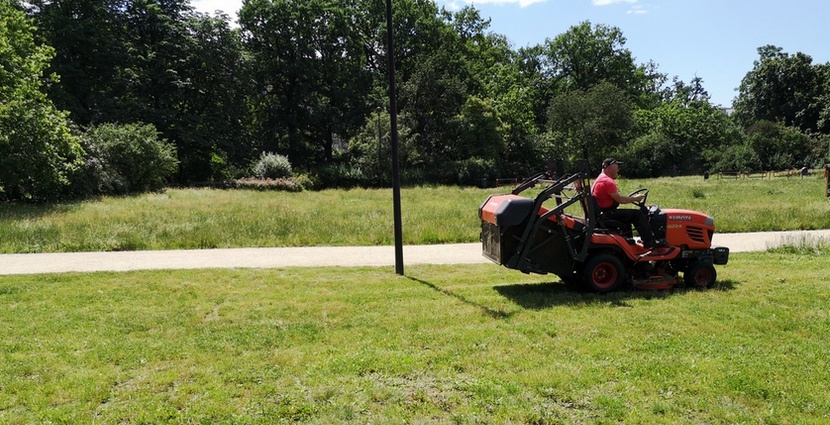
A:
x: 444, y: 344
x: 206, y: 218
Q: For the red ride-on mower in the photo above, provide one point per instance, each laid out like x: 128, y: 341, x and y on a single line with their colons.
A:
x: 523, y: 234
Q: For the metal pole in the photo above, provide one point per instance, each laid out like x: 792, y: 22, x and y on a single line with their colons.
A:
x: 393, y: 118
x: 380, y: 161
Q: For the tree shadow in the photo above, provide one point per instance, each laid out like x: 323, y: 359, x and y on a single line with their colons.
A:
x: 540, y: 296
x: 21, y: 211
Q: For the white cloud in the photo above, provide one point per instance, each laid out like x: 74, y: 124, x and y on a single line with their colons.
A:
x: 607, y: 2
x: 458, y: 4
x: 230, y: 7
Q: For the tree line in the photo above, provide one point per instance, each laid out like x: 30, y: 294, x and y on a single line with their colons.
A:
x: 119, y: 96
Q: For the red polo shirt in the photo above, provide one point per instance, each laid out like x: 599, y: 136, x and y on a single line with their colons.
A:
x: 602, y: 189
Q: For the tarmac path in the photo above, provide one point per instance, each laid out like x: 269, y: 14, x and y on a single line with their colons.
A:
x: 327, y: 256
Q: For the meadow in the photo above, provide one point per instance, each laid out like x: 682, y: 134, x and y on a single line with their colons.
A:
x: 444, y: 344
x: 464, y: 344
x: 213, y: 218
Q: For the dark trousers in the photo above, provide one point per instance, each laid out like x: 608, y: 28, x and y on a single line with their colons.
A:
x: 631, y: 216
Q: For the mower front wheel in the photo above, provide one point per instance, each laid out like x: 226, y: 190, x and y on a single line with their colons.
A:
x: 604, y: 273
x: 700, y: 275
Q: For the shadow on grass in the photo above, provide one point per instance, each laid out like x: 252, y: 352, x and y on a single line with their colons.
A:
x: 539, y: 296
x: 21, y: 211
x: 494, y: 313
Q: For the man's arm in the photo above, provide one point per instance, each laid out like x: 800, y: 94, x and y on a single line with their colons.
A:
x: 627, y: 199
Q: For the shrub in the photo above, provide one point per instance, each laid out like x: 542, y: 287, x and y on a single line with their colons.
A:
x: 283, y: 184
x: 340, y: 175
x: 127, y: 158
x: 476, y: 172
x: 272, y: 166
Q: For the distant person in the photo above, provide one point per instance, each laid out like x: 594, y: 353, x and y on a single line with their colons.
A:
x: 608, y: 198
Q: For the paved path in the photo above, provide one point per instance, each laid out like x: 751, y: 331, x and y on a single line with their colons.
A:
x: 469, y: 253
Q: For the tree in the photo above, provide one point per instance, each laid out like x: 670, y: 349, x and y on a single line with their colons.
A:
x: 151, y: 61
x: 92, y: 48
x: 587, y: 55
x: 38, y: 155
x: 782, y: 88
x: 593, y: 121
x: 674, y: 137
x: 212, y: 120
x: 310, y: 66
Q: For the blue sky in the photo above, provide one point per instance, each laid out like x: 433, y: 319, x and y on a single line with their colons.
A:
x: 716, y: 40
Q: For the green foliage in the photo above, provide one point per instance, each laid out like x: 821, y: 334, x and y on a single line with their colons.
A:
x: 306, y: 77
x: 272, y: 166
x: 780, y: 147
x: 479, y: 131
x: 309, y: 65
x: 340, y: 175
x: 128, y: 158
x: 593, y: 120
x: 782, y: 88
x: 37, y: 151
x: 476, y: 172
x: 262, y: 184
x: 587, y: 55
x: 736, y: 158
x: 152, y: 62
x: 675, y: 136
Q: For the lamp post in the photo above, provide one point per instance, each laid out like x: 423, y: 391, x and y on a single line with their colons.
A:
x: 393, y: 129
x: 380, y: 162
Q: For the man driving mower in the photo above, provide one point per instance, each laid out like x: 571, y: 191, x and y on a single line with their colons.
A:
x: 608, y: 198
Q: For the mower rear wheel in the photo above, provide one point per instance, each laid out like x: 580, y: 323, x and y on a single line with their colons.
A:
x: 700, y: 275
x: 603, y: 273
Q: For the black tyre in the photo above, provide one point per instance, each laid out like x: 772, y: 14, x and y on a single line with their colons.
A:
x: 603, y: 273
x: 700, y: 275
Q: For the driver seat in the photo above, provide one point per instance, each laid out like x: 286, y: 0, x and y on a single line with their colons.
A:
x: 607, y: 225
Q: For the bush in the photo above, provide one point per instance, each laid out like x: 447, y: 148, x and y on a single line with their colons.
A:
x: 128, y: 158
x: 740, y: 158
x: 283, y: 184
x: 340, y: 175
x: 476, y: 172
x: 272, y: 166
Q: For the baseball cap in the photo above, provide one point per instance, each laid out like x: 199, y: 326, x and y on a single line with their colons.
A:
x: 609, y: 162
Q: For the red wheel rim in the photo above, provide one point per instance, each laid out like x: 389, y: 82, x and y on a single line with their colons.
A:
x: 604, y: 275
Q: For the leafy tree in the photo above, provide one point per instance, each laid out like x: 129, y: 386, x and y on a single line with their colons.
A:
x: 593, y: 121
x: 479, y: 131
x: 673, y: 137
x: 781, y: 148
x: 92, y: 49
x: 311, y: 69
x: 434, y: 94
x: 212, y: 120
x: 586, y: 55
x: 782, y: 88
x: 38, y: 154
x: 156, y: 62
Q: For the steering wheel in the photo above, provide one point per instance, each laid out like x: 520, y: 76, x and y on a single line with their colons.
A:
x: 641, y: 204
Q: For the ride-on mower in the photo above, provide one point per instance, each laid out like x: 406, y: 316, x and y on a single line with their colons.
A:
x: 523, y: 234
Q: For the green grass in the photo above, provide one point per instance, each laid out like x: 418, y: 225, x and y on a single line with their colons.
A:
x: 207, y: 218
x: 445, y: 344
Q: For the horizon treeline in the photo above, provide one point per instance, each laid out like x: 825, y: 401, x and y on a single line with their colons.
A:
x: 121, y: 96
